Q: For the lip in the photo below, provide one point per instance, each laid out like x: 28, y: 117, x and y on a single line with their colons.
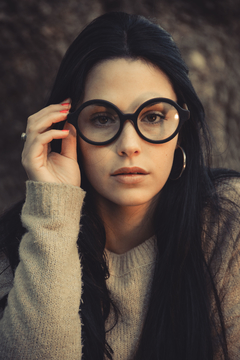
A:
x: 129, y: 175
x: 130, y: 171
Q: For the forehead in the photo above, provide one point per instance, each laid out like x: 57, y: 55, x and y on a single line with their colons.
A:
x: 127, y: 83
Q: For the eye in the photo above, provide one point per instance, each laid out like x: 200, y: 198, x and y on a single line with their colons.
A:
x: 102, y: 119
x: 153, y: 117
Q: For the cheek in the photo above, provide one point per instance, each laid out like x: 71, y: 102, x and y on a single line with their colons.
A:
x: 163, y: 158
x: 93, y: 159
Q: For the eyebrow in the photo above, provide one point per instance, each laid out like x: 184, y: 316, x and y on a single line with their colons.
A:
x: 152, y: 104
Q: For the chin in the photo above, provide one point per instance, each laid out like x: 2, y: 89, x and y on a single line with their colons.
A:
x: 131, y: 200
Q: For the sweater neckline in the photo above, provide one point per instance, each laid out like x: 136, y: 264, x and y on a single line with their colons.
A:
x: 139, y: 256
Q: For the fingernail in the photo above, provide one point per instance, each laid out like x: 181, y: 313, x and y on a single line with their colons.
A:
x: 63, y: 111
x: 66, y: 130
x: 65, y: 104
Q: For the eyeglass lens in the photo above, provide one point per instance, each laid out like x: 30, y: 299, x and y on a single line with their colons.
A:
x: 100, y: 123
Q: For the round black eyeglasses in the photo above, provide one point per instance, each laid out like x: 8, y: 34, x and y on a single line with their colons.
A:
x: 99, y: 122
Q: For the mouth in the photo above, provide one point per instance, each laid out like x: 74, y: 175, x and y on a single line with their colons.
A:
x: 130, y: 171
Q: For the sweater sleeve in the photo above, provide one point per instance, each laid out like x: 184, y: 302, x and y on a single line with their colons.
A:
x: 41, y: 319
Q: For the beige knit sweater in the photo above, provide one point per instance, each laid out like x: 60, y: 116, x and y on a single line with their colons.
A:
x: 41, y: 320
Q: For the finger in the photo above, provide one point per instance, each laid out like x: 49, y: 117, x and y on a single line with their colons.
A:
x: 69, y: 144
x: 66, y: 101
x: 38, y: 146
x: 66, y: 104
x: 42, y: 124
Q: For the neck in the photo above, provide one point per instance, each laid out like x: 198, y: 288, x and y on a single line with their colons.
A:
x: 126, y: 226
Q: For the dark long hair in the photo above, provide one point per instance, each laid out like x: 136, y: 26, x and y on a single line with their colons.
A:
x: 178, y: 322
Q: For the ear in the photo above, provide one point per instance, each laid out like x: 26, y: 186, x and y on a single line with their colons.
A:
x: 185, y: 106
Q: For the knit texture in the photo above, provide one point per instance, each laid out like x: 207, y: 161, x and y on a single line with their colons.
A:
x: 130, y: 283
x: 41, y: 320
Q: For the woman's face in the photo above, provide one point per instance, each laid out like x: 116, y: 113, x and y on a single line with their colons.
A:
x: 127, y: 84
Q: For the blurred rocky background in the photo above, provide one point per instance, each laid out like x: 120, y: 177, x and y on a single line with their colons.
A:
x: 34, y: 36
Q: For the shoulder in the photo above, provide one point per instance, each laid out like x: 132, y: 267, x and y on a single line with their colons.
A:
x: 229, y: 187
x: 224, y: 257
x: 221, y: 222
x: 221, y: 232
x: 228, y: 191
x: 225, y: 201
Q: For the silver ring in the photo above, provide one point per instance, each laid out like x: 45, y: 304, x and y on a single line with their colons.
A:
x: 23, y: 136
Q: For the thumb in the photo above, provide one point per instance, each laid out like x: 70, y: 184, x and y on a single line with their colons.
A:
x: 69, y: 144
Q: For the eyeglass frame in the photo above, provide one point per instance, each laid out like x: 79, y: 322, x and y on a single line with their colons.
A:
x: 184, y: 114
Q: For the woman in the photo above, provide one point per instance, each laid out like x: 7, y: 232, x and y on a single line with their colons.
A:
x: 154, y: 271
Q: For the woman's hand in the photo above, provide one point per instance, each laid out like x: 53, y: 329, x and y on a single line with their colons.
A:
x: 39, y: 162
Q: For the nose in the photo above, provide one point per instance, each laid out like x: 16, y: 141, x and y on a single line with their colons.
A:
x: 129, y: 142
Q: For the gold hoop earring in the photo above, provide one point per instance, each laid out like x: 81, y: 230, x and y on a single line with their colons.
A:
x: 184, y: 162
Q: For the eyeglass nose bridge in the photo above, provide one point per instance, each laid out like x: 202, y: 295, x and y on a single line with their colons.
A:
x: 128, y: 117
x: 133, y: 118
